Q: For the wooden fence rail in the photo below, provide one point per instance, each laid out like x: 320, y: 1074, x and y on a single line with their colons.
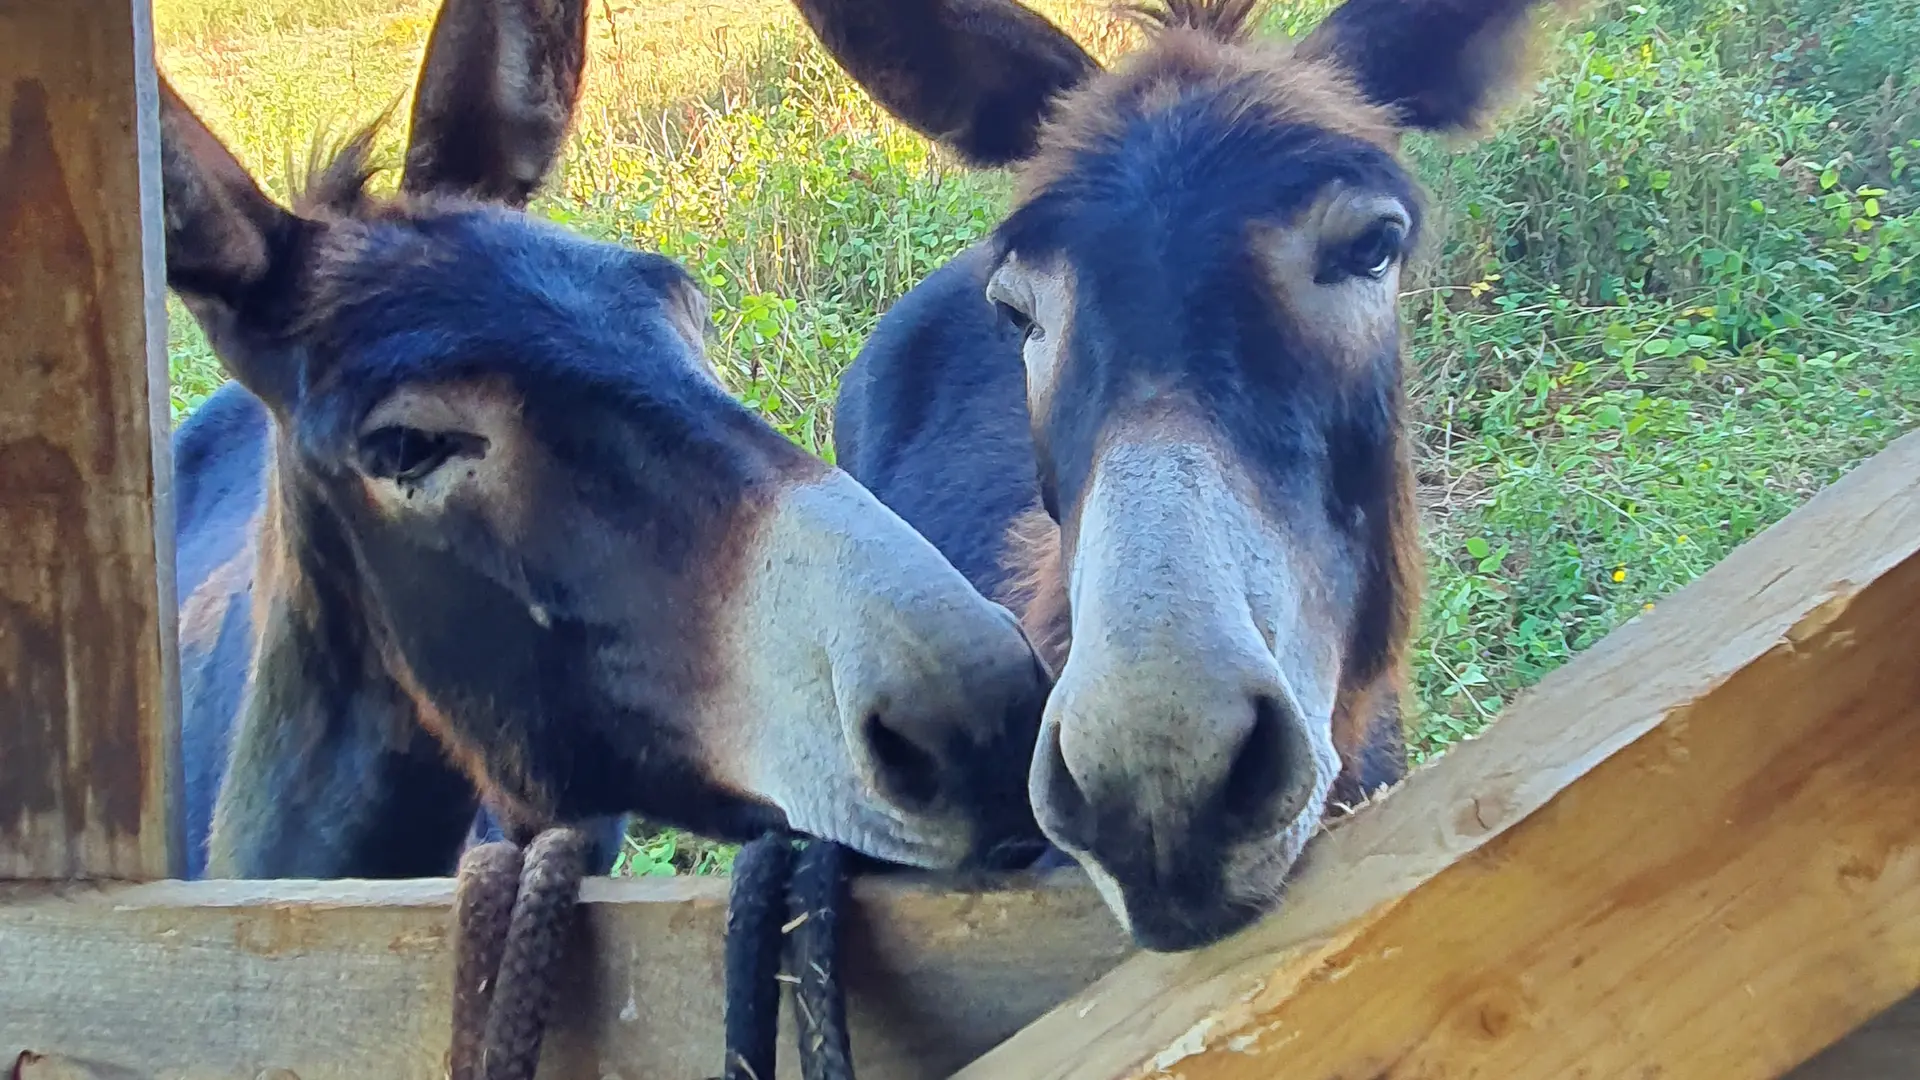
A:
x: 229, y: 980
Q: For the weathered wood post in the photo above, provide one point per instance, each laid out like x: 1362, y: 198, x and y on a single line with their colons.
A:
x: 89, y: 696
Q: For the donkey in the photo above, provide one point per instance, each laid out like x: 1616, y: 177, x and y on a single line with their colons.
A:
x: 476, y: 518
x: 1159, y: 411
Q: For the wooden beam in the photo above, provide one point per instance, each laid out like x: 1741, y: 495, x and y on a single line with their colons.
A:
x: 1692, y: 851
x: 231, y: 980
x: 88, y: 690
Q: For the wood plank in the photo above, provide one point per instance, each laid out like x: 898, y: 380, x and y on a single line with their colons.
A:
x: 1711, y: 807
x: 88, y: 689
x: 229, y: 980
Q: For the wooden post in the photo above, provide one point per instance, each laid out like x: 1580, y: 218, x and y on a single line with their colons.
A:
x: 1693, y: 851
x: 88, y: 688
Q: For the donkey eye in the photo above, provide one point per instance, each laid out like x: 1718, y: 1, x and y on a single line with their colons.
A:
x: 1018, y: 319
x: 1373, y: 252
x: 409, y: 454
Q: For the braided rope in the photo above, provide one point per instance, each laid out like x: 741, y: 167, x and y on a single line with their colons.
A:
x: 514, y: 913
x: 816, y: 896
x: 515, y: 910
x: 755, y: 909
x: 489, y: 878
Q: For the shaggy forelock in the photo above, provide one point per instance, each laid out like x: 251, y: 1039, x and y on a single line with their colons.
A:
x: 1202, y: 48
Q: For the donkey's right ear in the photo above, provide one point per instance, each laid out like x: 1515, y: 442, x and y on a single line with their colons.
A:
x: 223, y: 233
x: 229, y: 249
x: 977, y: 76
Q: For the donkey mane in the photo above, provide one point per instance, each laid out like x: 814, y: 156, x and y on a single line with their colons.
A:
x: 336, y: 179
x: 1201, y: 47
x: 1226, y: 21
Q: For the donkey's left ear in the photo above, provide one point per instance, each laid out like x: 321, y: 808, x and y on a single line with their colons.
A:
x: 1441, y: 64
x: 496, y: 96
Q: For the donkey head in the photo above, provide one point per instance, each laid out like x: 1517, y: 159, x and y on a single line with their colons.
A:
x: 1201, y: 268
x: 604, y: 584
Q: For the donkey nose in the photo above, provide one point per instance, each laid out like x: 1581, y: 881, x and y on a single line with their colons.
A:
x: 932, y: 742
x: 1240, y: 762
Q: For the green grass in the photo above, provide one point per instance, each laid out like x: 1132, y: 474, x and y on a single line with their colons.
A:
x: 1671, y: 296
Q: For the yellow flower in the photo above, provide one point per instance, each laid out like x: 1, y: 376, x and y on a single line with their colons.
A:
x: 1646, y: 607
x: 1619, y: 575
x: 1683, y: 538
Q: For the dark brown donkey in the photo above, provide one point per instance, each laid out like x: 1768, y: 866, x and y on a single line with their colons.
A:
x: 1159, y: 411
x: 478, y: 515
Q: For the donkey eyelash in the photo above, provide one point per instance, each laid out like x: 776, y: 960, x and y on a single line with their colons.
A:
x: 407, y: 455
x: 1369, y: 255
x: 1018, y: 319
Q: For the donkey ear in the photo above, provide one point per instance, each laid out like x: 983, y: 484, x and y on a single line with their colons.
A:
x: 229, y: 248
x: 1440, y: 63
x: 223, y: 234
x: 496, y: 94
x: 977, y: 76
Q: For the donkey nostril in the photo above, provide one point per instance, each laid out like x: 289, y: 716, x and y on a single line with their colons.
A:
x: 1067, y: 807
x: 1253, y: 786
x: 908, y: 772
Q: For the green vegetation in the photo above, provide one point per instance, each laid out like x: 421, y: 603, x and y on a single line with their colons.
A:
x: 1672, y: 295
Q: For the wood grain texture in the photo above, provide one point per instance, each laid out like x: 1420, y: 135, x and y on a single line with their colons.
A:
x: 1712, y: 806
x: 229, y: 980
x: 88, y: 689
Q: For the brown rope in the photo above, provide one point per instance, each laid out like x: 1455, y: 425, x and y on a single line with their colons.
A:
x: 514, y: 913
x: 483, y: 910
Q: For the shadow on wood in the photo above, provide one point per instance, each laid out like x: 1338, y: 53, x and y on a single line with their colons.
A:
x: 1884, y: 1048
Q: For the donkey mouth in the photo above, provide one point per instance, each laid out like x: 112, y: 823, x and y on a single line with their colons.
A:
x: 1163, y: 929
x: 1010, y: 855
x: 1050, y: 858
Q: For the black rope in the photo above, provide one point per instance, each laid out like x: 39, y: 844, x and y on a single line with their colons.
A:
x: 756, y: 909
x: 808, y: 890
x: 815, y: 899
